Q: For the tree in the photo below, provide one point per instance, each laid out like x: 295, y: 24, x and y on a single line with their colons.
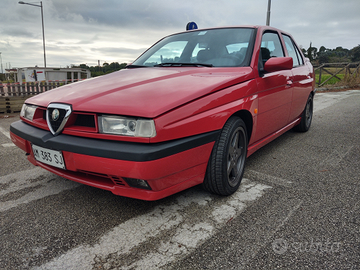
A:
x: 304, y: 52
x: 355, y: 54
x: 311, y: 52
x: 104, y: 69
x: 84, y: 66
x: 323, y: 58
x: 323, y: 55
x: 322, y: 49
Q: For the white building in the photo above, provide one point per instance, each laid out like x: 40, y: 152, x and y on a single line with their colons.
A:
x: 32, y: 74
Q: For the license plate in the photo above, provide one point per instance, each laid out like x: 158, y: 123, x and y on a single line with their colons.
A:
x: 48, y: 156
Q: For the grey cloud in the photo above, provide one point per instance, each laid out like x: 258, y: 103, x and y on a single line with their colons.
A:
x: 119, y: 50
x: 17, y: 32
x: 130, y: 14
x: 83, y: 31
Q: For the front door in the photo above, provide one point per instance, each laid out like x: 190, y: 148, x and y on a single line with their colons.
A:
x: 274, y: 90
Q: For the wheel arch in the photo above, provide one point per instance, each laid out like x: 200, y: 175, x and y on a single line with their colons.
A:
x: 246, y: 116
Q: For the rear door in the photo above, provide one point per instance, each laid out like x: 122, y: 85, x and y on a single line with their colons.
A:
x: 275, y: 92
x: 302, y: 78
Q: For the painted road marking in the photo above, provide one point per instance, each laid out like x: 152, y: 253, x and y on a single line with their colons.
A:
x: 38, y: 181
x: 258, y: 176
x: 191, y: 229
x: 174, y: 229
x: 189, y: 236
x: 6, y: 133
x: 8, y: 145
x: 255, y: 237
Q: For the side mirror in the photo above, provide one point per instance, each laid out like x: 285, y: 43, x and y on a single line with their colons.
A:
x: 278, y: 63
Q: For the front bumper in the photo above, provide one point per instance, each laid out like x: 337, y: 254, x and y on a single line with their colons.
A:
x: 168, y: 167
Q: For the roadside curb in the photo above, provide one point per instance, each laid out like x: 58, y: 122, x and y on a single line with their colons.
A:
x: 336, y: 88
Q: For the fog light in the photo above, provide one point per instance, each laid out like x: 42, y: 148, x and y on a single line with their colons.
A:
x: 137, y: 183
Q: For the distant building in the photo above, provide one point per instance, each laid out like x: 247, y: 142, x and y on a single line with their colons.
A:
x: 33, y: 74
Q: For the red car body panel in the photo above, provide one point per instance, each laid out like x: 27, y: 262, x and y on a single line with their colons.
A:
x: 166, y: 176
x: 189, y: 106
x: 143, y: 92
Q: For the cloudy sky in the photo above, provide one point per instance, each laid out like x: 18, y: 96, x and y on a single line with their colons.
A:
x: 85, y: 31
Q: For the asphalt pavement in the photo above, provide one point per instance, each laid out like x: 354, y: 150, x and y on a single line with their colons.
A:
x: 298, y: 207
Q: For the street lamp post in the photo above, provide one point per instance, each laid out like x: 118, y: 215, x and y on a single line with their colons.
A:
x: 42, y: 20
x: 2, y: 71
x: 268, y: 13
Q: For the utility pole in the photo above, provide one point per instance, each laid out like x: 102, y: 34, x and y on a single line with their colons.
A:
x: 2, y: 71
x: 268, y: 13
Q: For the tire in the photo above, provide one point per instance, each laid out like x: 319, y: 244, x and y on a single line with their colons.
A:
x: 306, y: 116
x: 227, y: 161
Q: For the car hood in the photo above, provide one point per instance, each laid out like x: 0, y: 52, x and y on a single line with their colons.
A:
x: 143, y: 92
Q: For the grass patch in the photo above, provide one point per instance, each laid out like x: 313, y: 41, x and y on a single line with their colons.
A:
x: 344, y: 78
x: 325, y: 77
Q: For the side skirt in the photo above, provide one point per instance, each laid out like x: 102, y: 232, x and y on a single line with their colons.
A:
x: 257, y: 145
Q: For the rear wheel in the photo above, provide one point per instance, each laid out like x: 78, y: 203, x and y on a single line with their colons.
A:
x: 227, y: 161
x: 306, y: 116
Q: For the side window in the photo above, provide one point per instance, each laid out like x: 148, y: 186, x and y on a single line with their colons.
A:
x: 301, y: 60
x: 270, y: 47
x: 293, y: 51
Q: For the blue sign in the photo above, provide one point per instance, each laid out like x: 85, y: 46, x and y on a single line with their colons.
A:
x: 191, y: 26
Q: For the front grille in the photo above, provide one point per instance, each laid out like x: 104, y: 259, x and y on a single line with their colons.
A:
x: 85, y: 120
x: 77, y: 121
x: 114, y: 179
x: 118, y: 181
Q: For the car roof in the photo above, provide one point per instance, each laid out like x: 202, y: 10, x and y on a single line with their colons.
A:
x: 259, y: 27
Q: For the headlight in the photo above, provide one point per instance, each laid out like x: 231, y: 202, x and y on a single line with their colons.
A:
x: 28, y: 111
x: 127, y: 126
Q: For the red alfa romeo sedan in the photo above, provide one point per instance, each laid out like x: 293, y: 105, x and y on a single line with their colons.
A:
x: 188, y: 111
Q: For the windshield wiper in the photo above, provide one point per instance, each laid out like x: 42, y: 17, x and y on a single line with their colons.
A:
x: 183, y: 65
x: 136, y: 66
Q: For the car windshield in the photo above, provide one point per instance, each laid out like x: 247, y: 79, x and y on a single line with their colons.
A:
x: 224, y: 47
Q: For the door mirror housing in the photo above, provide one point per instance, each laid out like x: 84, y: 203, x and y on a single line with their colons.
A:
x: 278, y: 63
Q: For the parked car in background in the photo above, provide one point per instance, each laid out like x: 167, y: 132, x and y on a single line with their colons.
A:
x: 188, y: 111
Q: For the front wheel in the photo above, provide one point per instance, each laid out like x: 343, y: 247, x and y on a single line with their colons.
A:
x: 306, y: 116
x: 227, y: 161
